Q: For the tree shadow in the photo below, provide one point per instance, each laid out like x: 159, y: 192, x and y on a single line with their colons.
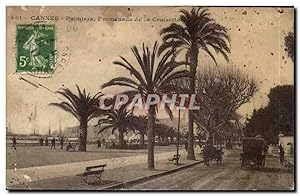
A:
x: 268, y: 169
x: 275, y: 170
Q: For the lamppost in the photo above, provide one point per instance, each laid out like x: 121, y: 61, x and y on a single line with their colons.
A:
x: 178, y: 135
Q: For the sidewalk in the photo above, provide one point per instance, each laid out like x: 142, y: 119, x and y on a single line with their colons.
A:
x: 110, y: 177
x: 289, y: 158
x: 118, y: 166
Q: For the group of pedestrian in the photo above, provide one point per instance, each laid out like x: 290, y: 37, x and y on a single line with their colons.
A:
x: 41, y: 142
x: 101, y: 143
x: 53, y: 141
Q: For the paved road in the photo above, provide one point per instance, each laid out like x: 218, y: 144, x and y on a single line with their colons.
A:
x: 227, y: 176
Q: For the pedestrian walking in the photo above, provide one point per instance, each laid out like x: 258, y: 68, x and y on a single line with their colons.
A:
x: 281, y: 153
x: 186, y: 145
x: 104, y: 143
x: 41, y: 141
x: 46, y: 141
x: 266, y: 150
x: 61, y: 142
x: 14, y: 141
x: 98, y: 143
x: 53, y: 143
x: 291, y: 149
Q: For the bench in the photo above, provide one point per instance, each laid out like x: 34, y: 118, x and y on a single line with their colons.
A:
x: 175, y: 158
x: 95, y: 171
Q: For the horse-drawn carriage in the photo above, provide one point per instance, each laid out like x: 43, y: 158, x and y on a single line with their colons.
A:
x: 211, y: 153
x: 254, y: 152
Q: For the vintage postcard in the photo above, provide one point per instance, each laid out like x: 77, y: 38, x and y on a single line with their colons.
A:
x: 150, y: 98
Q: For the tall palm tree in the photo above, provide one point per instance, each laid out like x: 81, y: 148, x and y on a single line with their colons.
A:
x: 83, y: 107
x: 150, y: 77
x: 118, y: 119
x: 198, y: 30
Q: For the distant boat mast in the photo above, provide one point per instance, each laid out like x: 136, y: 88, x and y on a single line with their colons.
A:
x: 49, y: 131
x: 8, y: 128
x: 59, y: 127
x: 34, y: 119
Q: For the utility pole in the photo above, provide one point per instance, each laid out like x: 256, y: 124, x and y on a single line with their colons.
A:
x: 178, y: 136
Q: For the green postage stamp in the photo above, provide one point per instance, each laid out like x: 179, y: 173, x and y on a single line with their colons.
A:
x: 35, y: 48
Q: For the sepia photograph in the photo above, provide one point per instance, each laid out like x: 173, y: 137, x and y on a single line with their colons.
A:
x: 150, y: 98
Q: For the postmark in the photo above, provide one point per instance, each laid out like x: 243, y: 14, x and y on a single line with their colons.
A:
x: 35, y: 44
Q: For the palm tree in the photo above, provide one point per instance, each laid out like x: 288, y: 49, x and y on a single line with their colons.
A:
x: 150, y: 77
x: 140, y: 124
x: 164, y: 131
x: 83, y: 107
x: 289, y: 45
x: 197, y: 31
x: 118, y: 119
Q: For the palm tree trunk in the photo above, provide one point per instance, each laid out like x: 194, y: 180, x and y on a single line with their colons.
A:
x: 193, y: 69
x: 82, y: 135
x: 121, y: 138
x: 142, y: 139
x: 151, y: 137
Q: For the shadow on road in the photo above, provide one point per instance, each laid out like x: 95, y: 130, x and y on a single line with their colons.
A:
x: 268, y: 169
x: 276, y: 170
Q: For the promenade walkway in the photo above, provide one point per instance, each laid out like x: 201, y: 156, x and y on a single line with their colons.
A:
x: 32, y: 174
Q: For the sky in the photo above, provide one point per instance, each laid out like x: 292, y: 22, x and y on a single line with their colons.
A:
x: 257, y: 48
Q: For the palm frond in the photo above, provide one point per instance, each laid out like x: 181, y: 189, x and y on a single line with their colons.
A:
x: 65, y: 108
x: 121, y: 81
x: 197, y: 28
x: 82, y: 106
x: 104, y: 129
